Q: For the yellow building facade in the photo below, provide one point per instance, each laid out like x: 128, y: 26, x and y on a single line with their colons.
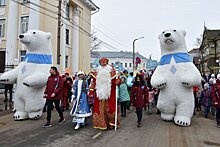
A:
x: 19, y: 16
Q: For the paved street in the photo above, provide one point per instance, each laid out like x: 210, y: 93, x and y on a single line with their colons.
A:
x: 153, y: 133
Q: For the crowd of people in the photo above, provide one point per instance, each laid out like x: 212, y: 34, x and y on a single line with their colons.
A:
x: 207, y: 95
x: 101, y: 92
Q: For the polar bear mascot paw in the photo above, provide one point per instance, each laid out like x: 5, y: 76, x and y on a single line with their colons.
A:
x: 182, y: 121
x: 3, y: 80
x: 35, y: 115
x: 31, y: 75
x: 159, y: 82
x: 20, y: 115
x: 175, y: 76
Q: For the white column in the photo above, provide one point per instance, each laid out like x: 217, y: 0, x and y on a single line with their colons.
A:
x: 34, y: 16
x: 63, y: 45
x: 12, y: 33
x: 63, y: 49
x: 75, y: 42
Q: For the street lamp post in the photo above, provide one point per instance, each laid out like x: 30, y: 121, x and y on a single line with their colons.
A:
x: 134, y: 51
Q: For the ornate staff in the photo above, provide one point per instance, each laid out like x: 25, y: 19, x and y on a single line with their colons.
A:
x: 116, y: 102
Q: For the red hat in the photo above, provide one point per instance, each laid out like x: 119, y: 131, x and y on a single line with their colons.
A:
x: 103, y: 60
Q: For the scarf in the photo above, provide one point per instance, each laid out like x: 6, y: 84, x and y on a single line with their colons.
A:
x: 38, y: 58
x: 178, y: 57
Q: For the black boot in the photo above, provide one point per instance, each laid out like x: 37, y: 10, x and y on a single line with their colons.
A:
x: 218, y: 122
x: 139, y: 124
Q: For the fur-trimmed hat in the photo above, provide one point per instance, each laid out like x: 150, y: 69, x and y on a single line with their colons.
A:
x: 212, y: 75
x: 218, y: 76
x: 80, y: 73
x: 103, y: 59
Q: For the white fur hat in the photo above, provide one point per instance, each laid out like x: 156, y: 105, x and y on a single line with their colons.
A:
x: 80, y: 73
x: 218, y: 76
x: 212, y: 75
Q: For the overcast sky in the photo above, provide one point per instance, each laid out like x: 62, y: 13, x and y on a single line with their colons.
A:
x: 119, y: 22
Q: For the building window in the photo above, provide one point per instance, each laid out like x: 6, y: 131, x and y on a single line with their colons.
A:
x: 66, y: 61
x: 2, y: 2
x: 22, y: 55
x: 68, y: 11
x: 2, y: 27
x: 67, y: 36
x: 126, y: 64
x: 24, y: 24
x: 129, y: 64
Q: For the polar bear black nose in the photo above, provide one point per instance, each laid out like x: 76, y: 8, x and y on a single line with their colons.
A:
x: 21, y: 36
x: 167, y: 34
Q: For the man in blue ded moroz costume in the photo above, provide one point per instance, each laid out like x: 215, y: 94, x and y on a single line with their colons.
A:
x: 175, y: 76
x: 31, y: 75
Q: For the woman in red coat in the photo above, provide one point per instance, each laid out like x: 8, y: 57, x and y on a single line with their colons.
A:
x: 215, y: 93
x: 139, y: 96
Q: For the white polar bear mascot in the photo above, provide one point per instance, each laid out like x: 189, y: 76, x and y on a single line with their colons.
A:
x: 175, y: 76
x: 31, y: 75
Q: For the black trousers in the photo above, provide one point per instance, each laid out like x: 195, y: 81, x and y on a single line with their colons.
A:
x: 218, y: 115
x: 139, y: 114
x: 50, y: 106
x: 123, y: 107
x: 8, y: 87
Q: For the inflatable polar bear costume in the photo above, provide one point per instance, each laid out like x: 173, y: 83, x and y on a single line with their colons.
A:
x: 175, y: 76
x: 31, y: 75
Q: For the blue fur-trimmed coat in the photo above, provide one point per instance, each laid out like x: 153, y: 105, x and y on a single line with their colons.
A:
x: 81, y: 106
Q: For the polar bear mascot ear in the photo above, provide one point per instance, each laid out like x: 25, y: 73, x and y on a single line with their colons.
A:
x: 49, y: 35
x: 159, y: 36
x: 183, y: 32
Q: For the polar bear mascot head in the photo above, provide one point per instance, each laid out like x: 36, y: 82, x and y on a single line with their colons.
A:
x: 30, y: 76
x: 175, y: 76
x: 172, y: 41
x: 37, y: 41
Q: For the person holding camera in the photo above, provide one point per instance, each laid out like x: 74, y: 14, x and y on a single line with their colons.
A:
x: 53, y: 94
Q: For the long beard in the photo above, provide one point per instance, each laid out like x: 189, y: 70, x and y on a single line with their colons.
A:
x: 103, y: 82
